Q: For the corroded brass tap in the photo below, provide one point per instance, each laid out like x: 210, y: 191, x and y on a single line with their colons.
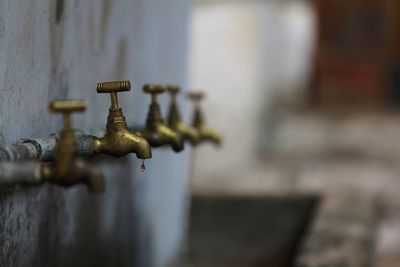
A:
x: 156, y: 132
x: 174, y: 119
x: 206, y: 132
x: 67, y: 170
x: 118, y: 141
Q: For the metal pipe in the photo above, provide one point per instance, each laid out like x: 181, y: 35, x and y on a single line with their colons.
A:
x: 19, y: 151
x: 35, y: 172
x: 44, y: 149
x: 20, y: 173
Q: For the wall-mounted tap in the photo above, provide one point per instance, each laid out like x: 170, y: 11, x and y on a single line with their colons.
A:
x: 118, y: 141
x: 66, y: 170
x: 174, y: 118
x: 155, y: 131
x: 206, y: 133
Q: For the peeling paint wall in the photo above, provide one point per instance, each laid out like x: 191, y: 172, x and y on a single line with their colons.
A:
x: 56, y: 49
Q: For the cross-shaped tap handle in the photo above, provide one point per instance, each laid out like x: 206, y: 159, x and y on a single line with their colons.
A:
x: 67, y: 107
x: 196, y: 96
x: 113, y: 88
x: 173, y: 89
x: 154, y: 90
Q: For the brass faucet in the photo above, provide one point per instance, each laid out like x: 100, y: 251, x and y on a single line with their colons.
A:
x: 155, y: 131
x: 67, y: 170
x: 206, y: 132
x: 118, y: 141
x: 174, y: 119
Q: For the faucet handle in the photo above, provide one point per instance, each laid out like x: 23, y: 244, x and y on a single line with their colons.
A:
x: 67, y: 107
x: 113, y: 87
x: 173, y: 89
x: 153, y: 89
x: 196, y: 96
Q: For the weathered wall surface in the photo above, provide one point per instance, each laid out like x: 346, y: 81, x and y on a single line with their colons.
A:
x: 56, y: 49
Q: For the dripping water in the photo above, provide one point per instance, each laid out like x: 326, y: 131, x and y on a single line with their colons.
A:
x: 142, y: 167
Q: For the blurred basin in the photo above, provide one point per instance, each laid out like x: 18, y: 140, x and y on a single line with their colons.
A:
x: 247, y: 231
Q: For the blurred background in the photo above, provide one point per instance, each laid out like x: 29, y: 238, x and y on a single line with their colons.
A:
x: 306, y: 94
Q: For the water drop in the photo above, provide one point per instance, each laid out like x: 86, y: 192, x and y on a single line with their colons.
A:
x: 142, y: 167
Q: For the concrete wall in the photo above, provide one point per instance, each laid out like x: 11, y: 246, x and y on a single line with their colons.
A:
x: 249, y: 56
x: 57, y: 49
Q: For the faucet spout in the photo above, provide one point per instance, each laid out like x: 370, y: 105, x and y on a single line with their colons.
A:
x: 206, y: 133
x: 188, y: 133
x: 78, y: 173
x: 161, y: 135
x: 142, y: 148
x: 209, y: 134
x: 121, y: 143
